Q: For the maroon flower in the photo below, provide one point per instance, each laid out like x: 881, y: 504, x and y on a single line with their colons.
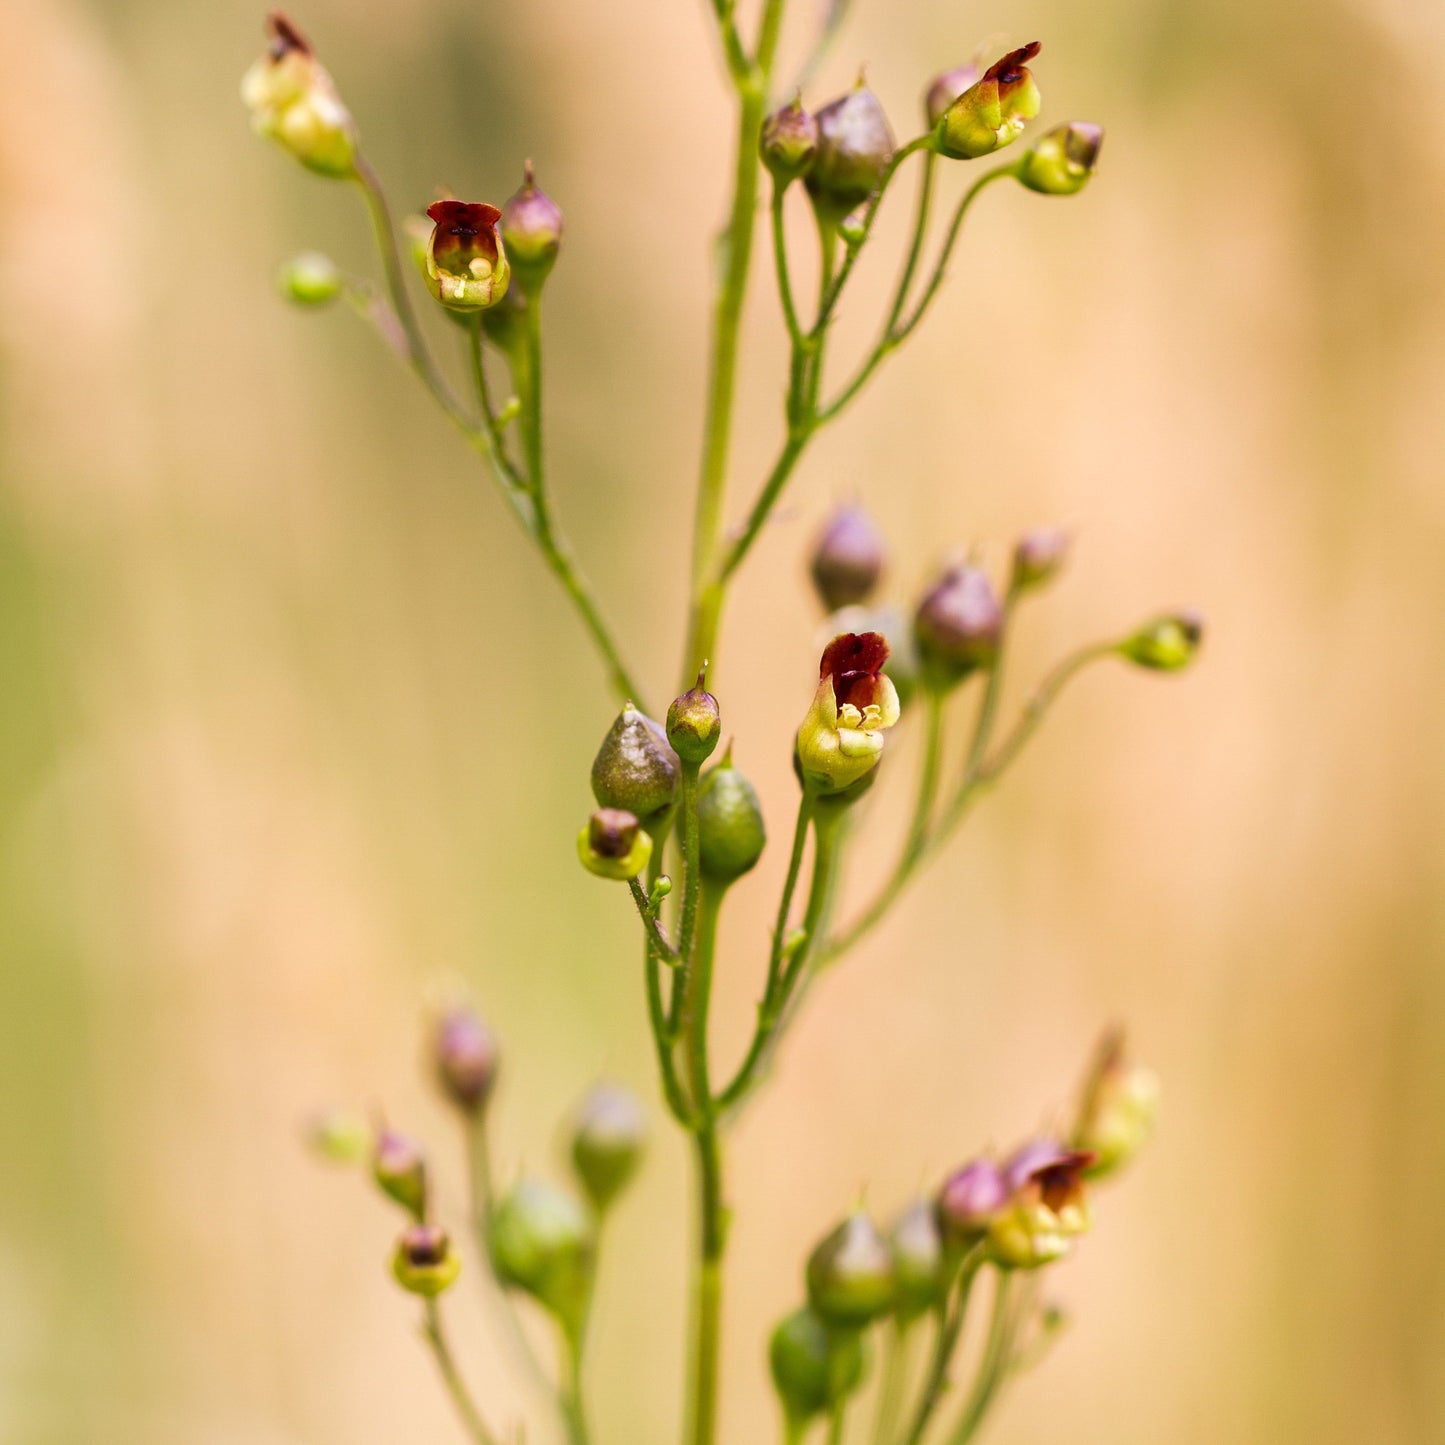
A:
x: 466, y: 265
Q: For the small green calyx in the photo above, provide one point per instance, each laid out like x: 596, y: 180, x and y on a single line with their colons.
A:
x: 608, y: 1143
x: 850, y: 1274
x: 613, y: 844
x: 293, y: 100
x: 731, y: 832
x: 789, y: 143
x: 694, y: 723
x: 993, y: 111
x: 532, y: 229
x: 1061, y: 161
x: 637, y: 769
x: 466, y: 263
x: 310, y: 279
x: 814, y: 1366
x: 1167, y: 644
x: 424, y: 1261
x: 542, y: 1241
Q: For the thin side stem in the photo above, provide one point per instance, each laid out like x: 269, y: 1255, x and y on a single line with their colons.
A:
x: 574, y: 1411
x: 652, y: 923
x: 993, y: 1368
x: 780, y: 262
x: 951, y: 1319
x: 435, y: 1334
x: 894, y: 1382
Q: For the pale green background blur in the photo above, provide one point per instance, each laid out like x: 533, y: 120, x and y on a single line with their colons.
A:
x: 293, y: 730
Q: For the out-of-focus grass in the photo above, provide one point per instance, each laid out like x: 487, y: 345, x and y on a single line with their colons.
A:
x: 291, y: 723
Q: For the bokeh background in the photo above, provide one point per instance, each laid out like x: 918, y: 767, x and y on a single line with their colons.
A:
x: 294, y: 730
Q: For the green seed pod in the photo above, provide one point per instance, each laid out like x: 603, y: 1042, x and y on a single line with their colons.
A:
x: 1061, y: 161
x: 399, y: 1169
x: 855, y: 145
x: 542, y: 1241
x: 731, y: 834
x: 613, y: 845
x: 813, y: 1367
x: 850, y: 1274
x: 424, y: 1262
x: 608, y: 1142
x: 310, y: 279
x: 919, y: 1275
x: 694, y: 723
x: 1166, y: 644
x: 789, y: 142
x: 637, y: 770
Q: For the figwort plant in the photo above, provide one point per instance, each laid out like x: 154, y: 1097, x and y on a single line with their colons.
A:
x: 678, y: 836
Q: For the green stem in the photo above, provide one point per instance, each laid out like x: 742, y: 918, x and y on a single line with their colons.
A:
x: 574, y: 1413
x: 951, y: 1318
x: 501, y: 460
x: 650, y: 921
x: 435, y: 1334
x: 838, y: 1421
x: 993, y: 1368
x: 780, y: 262
x: 894, y: 1382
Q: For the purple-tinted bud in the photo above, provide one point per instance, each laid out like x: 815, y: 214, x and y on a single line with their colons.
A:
x: 637, y: 769
x: 855, y: 145
x: 970, y: 1200
x: 848, y: 558
x: 465, y: 1052
x: 958, y: 626
x: 850, y: 1274
x: 1038, y: 556
x: 532, y: 229
x: 1048, y: 1205
x: 946, y: 89
x: 789, y: 142
x: 694, y: 722
x: 400, y: 1171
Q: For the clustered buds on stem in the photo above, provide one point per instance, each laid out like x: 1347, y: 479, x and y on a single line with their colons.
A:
x: 1166, y: 644
x: 958, y: 626
x: 1061, y: 161
x: 789, y: 143
x: 292, y: 99
x: 855, y: 144
x: 841, y: 738
x: 993, y: 111
x: 466, y: 263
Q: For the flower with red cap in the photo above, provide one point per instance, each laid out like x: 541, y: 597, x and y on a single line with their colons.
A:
x: 1048, y: 1205
x: 466, y: 264
x: 292, y: 99
x: 993, y: 111
x: 841, y: 738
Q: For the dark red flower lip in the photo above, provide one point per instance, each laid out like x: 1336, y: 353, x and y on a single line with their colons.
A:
x: 285, y: 37
x: 1010, y: 69
x: 461, y: 218
x: 854, y: 661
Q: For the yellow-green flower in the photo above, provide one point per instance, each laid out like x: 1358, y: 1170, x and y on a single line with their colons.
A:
x: 466, y: 264
x: 841, y: 738
x: 993, y: 111
x: 293, y: 99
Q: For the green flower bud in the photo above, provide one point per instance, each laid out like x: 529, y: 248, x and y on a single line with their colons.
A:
x: 425, y: 1262
x: 1061, y: 161
x: 293, y: 100
x: 946, y: 89
x: 339, y: 1136
x: 1039, y: 555
x: 848, y: 557
x: 731, y: 835
x: 850, y: 1274
x: 464, y: 1051
x: 1048, y: 1206
x: 920, y: 1277
x: 466, y: 263
x: 789, y: 142
x: 813, y: 1366
x: 993, y: 111
x: 637, y: 769
x: 855, y: 145
x: 958, y: 626
x: 532, y: 229
x: 310, y: 279
x: 542, y: 1242
x: 694, y: 723
x: 853, y: 228
x: 608, y: 1142
x: 614, y: 844
x: 1166, y: 644
x: 1119, y: 1105
x: 841, y: 739
x: 400, y: 1170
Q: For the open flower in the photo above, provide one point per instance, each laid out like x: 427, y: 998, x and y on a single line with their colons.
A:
x: 466, y: 265
x: 993, y: 111
x: 1048, y: 1205
x: 841, y: 738
x: 293, y: 99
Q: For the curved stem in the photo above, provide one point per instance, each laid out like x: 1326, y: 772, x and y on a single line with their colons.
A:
x: 780, y: 262
x: 994, y: 1366
x: 435, y: 1334
x: 652, y: 923
x: 951, y: 1318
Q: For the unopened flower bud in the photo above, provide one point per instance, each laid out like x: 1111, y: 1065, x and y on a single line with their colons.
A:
x: 542, y: 1241
x: 694, y: 723
x: 339, y: 1136
x: 850, y: 1274
x: 814, y: 1367
x: 841, y: 738
x: 920, y: 1279
x: 532, y: 229
x: 1061, y: 161
x: 425, y: 1262
x: 466, y: 262
x: 1118, y: 1107
x: 614, y: 844
x: 464, y: 1051
x: 848, y: 557
x: 855, y: 145
x: 1039, y: 555
x: 292, y: 99
x: 731, y: 834
x: 608, y: 1142
x: 310, y: 279
x: 993, y: 111
x: 789, y: 142
x: 1166, y: 644
x: 637, y: 769
x: 400, y: 1170
x: 1048, y: 1206
x: 970, y: 1201
x: 853, y: 228
x: 958, y: 625
x: 946, y: 89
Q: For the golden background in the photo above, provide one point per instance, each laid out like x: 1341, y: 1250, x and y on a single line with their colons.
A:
x: 294, y: 728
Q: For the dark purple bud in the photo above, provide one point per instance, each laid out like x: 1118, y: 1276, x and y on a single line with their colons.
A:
x: 958, y: 626
x: 465, y: 1052
x: 971, y: 1200
x: 848, y: 558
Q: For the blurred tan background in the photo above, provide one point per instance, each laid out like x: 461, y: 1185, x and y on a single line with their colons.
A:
x: 290, y: 730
